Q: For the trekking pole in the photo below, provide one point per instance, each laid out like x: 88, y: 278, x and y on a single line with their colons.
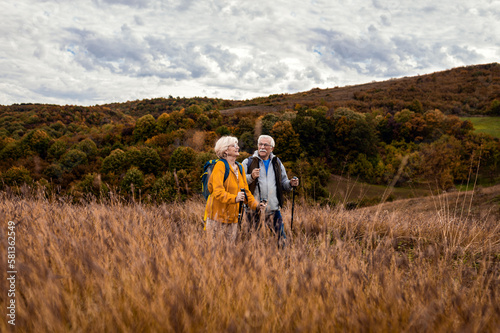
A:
x: 260, y: 212
x: 241, y: 210
x: 262, y: 218
x: 293, y: 206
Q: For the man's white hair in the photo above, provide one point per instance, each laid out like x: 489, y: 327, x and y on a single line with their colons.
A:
x: 266, y: 137
x: 223, y: 144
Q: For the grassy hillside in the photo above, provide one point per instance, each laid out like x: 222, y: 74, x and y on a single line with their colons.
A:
x: 487, y: 125
x: 98, y: 267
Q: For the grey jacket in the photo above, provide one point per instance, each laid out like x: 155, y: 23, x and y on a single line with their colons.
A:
x: 267, y: 182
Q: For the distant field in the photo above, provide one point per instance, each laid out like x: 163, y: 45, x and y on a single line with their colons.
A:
x: 348, y: 190
x: 488, y: 125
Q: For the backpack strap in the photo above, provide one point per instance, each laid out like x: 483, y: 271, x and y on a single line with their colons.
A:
x: 241, y: 168
x: 226, y: 169
x: 277, y: 173
x: 249, y: 163
x: 252, y: 164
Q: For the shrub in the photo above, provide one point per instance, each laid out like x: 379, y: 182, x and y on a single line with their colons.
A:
x: 134, y: 179
x: 88, y: 147
x: 73, y: 158
x: 115, y: 162
x: 182, y: 158
x: 57, y: 149
x: 16, y: 176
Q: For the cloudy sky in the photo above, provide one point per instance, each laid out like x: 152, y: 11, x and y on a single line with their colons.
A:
x: 88, y: 52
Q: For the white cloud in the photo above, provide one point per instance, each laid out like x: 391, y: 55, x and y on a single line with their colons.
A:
x: 104, y: 51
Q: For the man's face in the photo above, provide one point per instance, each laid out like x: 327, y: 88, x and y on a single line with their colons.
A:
x: 265, y: 148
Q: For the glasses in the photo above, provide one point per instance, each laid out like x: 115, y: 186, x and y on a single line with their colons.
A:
x: 265, y: 145
x: 234, y: 146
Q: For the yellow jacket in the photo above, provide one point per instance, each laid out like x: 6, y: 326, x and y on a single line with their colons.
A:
x: 221, y: 205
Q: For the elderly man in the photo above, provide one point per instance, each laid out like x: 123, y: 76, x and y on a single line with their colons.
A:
x: 267, y: 179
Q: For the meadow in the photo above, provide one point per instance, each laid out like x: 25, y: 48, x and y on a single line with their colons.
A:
x: 130, y: 267
x: 487, y: 125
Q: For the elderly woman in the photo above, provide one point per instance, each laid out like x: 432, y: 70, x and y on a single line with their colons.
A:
x: 223, y: 203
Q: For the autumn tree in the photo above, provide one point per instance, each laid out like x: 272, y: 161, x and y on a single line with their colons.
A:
x: 37, y: 141
x: 287, y: 141
x: 16, y: 176
x: 352, y: 134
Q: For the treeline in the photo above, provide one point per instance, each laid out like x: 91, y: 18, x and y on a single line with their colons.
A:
x: 159, y: 156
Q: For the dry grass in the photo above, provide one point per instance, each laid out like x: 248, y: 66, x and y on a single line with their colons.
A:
x: 129, y: 267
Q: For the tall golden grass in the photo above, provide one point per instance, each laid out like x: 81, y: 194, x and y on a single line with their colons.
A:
x: 130, y: 267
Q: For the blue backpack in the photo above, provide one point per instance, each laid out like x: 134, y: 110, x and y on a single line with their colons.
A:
x: 207, y: 171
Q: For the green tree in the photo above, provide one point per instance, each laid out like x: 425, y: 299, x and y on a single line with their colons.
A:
x: 312, y: 126
x: 268, y: 122
x: 193, y: 112
x: 352, y: 134
x: 245, y: 124
x: 183, y: 158
x: 145, y: 128
x: 145, y: 158
x: 164, y: 189
x: 287, y: 141
x: 133, y: 179
x: 114, y: 162
x: 247, y: 143
x: 37, y: 141
x: 57, y: 149
x: 91, y: 184
x: 54, y: 172
x: 16, y: 176
x: 88, y: 147
x: 494, y: 109
x: 222, y: 130
x: 13, y: 150
x: 73, y: 158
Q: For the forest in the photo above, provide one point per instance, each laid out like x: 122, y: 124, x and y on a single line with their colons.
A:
x: 403, y: 132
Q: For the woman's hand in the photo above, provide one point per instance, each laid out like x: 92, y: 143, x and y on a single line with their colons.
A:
x: 240, y: 197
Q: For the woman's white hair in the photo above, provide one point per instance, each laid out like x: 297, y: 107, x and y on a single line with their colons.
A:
x: 223, y: 144
x: 266, y: 137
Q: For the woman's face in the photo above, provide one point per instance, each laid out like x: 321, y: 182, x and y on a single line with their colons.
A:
x: 233, y: 150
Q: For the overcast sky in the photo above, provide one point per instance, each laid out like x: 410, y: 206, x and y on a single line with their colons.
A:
x: 100, y: 51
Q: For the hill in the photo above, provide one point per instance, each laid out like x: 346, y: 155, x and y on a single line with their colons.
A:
x: 481, y: 204
x: 465, y: 90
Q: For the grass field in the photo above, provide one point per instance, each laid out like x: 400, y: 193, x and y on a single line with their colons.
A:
x: 488, y: 125
x: 129, y: 267
x: 347, y: 190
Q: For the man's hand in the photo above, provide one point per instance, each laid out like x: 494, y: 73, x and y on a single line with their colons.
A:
x: 294, y: 182
x: 263, y: 205
x: 255, y: 173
